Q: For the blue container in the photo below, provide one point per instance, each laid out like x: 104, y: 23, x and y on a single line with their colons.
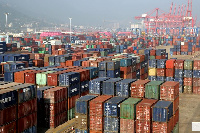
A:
x: 196, y: 73
x: 67, y: 79
x: 178, y: 73
x: 6, y: 67
x: 9, y: 76
x: 109, y: 86
x: 112, y: 108
x: 12, y: 95
x: 161, y: 63
x: 81, y: 131
x: 78, y: 63
x: 84, y: 86
x: 103, y: 66
x: 113, y: 73
x: 102, y: 74
x: 188, y: 73
x: 96, y: 85
x: 111, y: 125
x: 123, y: 87
x: 113, y: 65
x: 152, y: 78
x: 82, y: 104
x: 160, y: 78
x: 125, y: 62
x: 162, y: 111
x: 180, y: 80
x: 153, y: 63
x: 169, y: 79
x: 94, y: 72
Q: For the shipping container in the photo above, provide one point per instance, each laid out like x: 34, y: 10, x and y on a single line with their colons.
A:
x: 152, y: 90
x: 109, y: 86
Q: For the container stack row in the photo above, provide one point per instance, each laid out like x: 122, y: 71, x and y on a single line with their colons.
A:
x: 18, y: 107
x: 156, y: 110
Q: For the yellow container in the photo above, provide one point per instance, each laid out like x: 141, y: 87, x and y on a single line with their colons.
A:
x: 152, y: 72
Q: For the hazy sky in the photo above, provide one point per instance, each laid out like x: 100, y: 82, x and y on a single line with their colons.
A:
x: 93, y: 12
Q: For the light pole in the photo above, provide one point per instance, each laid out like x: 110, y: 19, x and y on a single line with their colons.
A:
x: 70, y: 22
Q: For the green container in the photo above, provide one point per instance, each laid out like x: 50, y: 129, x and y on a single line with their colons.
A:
x: 41, y: 78
x: 87, y: 46
x: 176, y: 128
x: 128, y: 108
x: 188, y: 64
x: 152, y: 57
x: 71, y: 113
x: 104, y: 53
x: 29, y: 49
x: 152, y: 90
x: 92, y: 46
x: 46, y: 52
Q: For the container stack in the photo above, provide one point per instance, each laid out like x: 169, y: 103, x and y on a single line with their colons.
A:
x: 138, y: 88
x: 128, y: 115
x: 152, y: 70
x: 152, y: 90
x: 144, y: 115
x: 188, y: 78
x: 170, y: 71
x: 109, y: 86
x: 109, y: 69
x: 55, y: 100
x: 126, y: 67
x: 162, y: 117
x: 96, y: 85
x: 123, y: 87
x: 20, y: 113
x: 112, y: 114
x: 196, y: 77
x: 97, y: 114
x: 169, y: 91
x: 82, y: 113
x: 161, y: 69
x: 179, y: 70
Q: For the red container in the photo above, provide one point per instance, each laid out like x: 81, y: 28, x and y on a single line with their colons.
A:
x: 196, y: 65
x: 125, y: 70
x: 58, y: 120
x: 84, y: 74
x: 71, y: 101
x: 86, y: 63
x: 196, y: 82
x: 144, y: 109
x: 69, y: 62
x: 141, y: 71
x: 160, y: 72
x: 152, y: 52
x: 187, y: 81
x: 85, y: 93
x: 24, y: 123
x: 54, y: 109
x: 158, y: 57
x: 170, y: 72
x: 142, y: 77
x: 8, y: 115
x: 30, y: 77
x: 127, y: 126
x: 27, y: 107
x: 97, y: 112
x: 179, y: 64
x: 134, y: 75
x: 196, y: 90
x: 169, y: 90
x: 163, y: 127
x: 170, y: 63
x: 55, y: 95
x: 143, y: 126
x: 138, y: 88
x: 20, y: 76
x: 9, y: 128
